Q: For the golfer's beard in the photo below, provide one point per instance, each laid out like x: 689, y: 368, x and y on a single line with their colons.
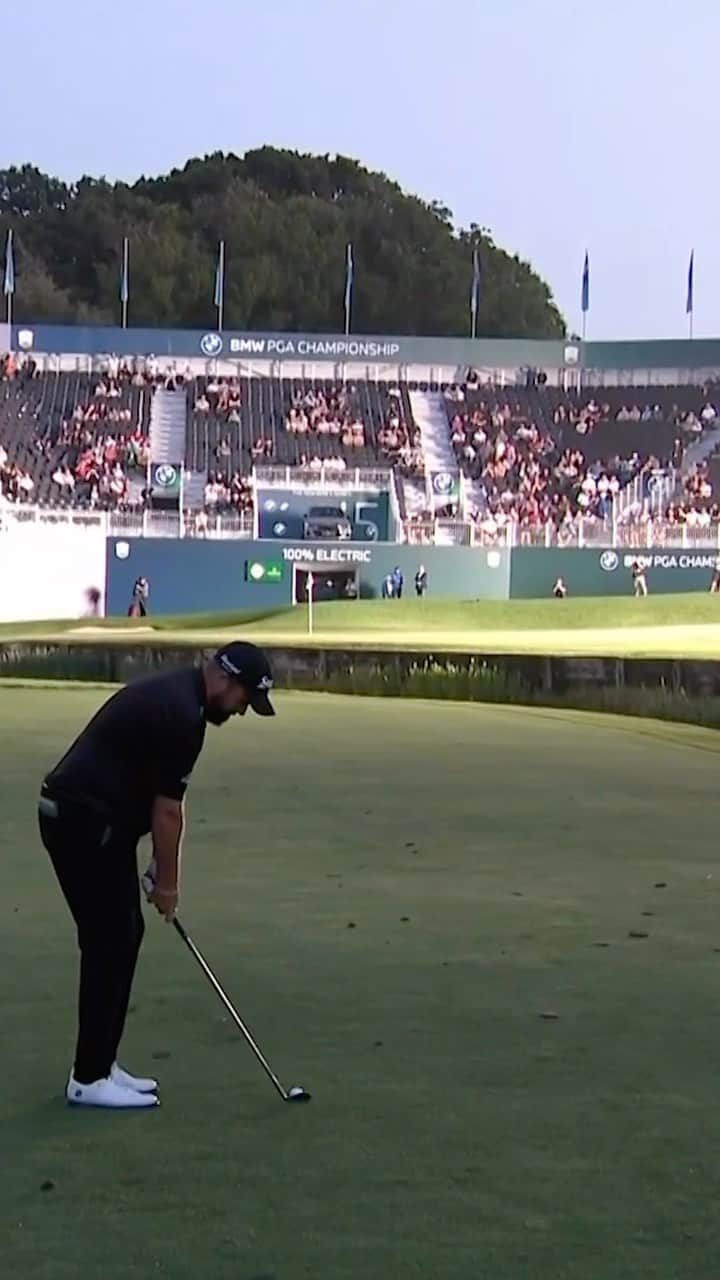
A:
x: 215, y: 714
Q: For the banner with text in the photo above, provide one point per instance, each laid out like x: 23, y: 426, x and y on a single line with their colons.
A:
x: 609, y: 571
x: 308, y: 348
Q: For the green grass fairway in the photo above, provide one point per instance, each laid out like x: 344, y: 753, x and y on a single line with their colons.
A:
x: 673, y: 626
x: 494, y: 862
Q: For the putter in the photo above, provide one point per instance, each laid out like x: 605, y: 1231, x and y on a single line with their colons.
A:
x: 297, y: 1093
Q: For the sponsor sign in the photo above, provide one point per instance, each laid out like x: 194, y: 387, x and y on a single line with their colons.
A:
x: 268, y: 571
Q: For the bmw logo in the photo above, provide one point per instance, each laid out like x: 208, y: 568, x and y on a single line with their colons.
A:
x: 372, y: 533
x: 609, y: 560
x: 165, y: 475
x: 443, y: 482
x: 279, y: 529
x: 211, y: 344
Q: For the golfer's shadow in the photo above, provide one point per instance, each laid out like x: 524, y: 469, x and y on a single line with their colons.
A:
x: 45, y: 1120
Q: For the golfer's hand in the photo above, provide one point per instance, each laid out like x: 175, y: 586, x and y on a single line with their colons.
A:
x: 164, y: 901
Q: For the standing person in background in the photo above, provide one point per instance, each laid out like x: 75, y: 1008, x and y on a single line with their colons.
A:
x: 639, y: 580
x: 141, y: 595
x: 715, y: 584
x: 559, y: 590
x: 93, y: 597
x: 398, y: 582
x: 421, y: 582
x: 387, y: 587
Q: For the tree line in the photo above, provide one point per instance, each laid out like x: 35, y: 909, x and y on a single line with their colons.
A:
x: 285, y: 220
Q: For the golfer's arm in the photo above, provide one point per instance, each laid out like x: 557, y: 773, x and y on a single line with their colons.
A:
x: 167, y: 830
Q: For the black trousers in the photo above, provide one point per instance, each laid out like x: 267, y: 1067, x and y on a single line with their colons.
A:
x: 98, y: 875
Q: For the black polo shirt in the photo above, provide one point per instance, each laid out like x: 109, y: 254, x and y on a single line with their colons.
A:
x: 142, y: 743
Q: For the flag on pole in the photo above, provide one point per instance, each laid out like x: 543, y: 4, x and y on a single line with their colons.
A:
x: 125, y: 273
x: 586, y: 284
x: 220, y: 276
x: 475, y: 291
x: 349, y: 277
x: 690, y: 285
x: 9, y: 277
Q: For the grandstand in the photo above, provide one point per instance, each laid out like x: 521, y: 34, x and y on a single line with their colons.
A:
x: 485, y: 459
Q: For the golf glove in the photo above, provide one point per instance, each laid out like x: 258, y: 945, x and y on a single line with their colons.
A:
x: 149, y: 879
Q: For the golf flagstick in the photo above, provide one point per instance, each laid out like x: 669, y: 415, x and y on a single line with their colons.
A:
x: 297, y: 1093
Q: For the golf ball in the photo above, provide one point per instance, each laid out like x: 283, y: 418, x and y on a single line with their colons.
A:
x: 297, y: 1092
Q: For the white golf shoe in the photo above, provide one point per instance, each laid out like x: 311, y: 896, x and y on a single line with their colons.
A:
x: 141, y: 1084
x: 107, y: 1093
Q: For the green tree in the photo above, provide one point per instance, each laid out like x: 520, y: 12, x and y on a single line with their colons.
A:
x: 286, y: 219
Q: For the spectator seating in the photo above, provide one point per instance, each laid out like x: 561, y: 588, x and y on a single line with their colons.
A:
x: 71, y: 438
x: 296, y: 422
x: 532, y: 454
x: 540, y: 454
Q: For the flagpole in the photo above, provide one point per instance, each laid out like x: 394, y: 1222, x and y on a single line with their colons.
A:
x: 349, y: 270
x: 124, y: 291
x: 585, y: 298
x: 9, y: 282
x: 474, y: 294
x: 690, y: 303
x: 220, y: 286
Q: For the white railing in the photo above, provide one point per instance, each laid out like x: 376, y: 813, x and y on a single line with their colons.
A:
x: 660, y: 489
x: 322, y: 477
x: 173, y: 524
x: 643, y: 532
x: 13, y: 515
x: 129, y: 524
x: 581, y: 533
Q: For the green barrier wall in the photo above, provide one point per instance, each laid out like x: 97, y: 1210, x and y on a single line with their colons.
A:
x: 606, y: 572
x: 194, y: 576
x: 190, y: 575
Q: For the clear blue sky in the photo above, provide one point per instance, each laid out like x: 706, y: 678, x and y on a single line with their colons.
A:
x: 558, y: 125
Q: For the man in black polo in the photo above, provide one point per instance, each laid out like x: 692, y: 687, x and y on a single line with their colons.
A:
x: 126, y: 776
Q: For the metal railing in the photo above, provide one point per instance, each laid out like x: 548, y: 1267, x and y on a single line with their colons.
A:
x: 581, y: 532
x: 28, y: 515
x: 173, y: 524
x: 322, y: 477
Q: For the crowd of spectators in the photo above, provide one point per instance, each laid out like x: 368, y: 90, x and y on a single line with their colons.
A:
x: 314, y: 413
x: 584, y: 418
x: 525, y: 477
x: 16, y: 484
x: 697, y: 509
x: 97, y: 449
x: 400, y: 441
x: 220, y: 398
x: 228, y: 496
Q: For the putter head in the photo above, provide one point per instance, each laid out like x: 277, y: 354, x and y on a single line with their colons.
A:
x: 297, y: 1094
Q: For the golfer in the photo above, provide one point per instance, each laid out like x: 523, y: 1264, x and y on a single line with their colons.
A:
x: 124, y: 776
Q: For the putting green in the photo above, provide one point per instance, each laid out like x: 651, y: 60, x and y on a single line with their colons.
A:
x: 495, y: 863
x: 659, y: 626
